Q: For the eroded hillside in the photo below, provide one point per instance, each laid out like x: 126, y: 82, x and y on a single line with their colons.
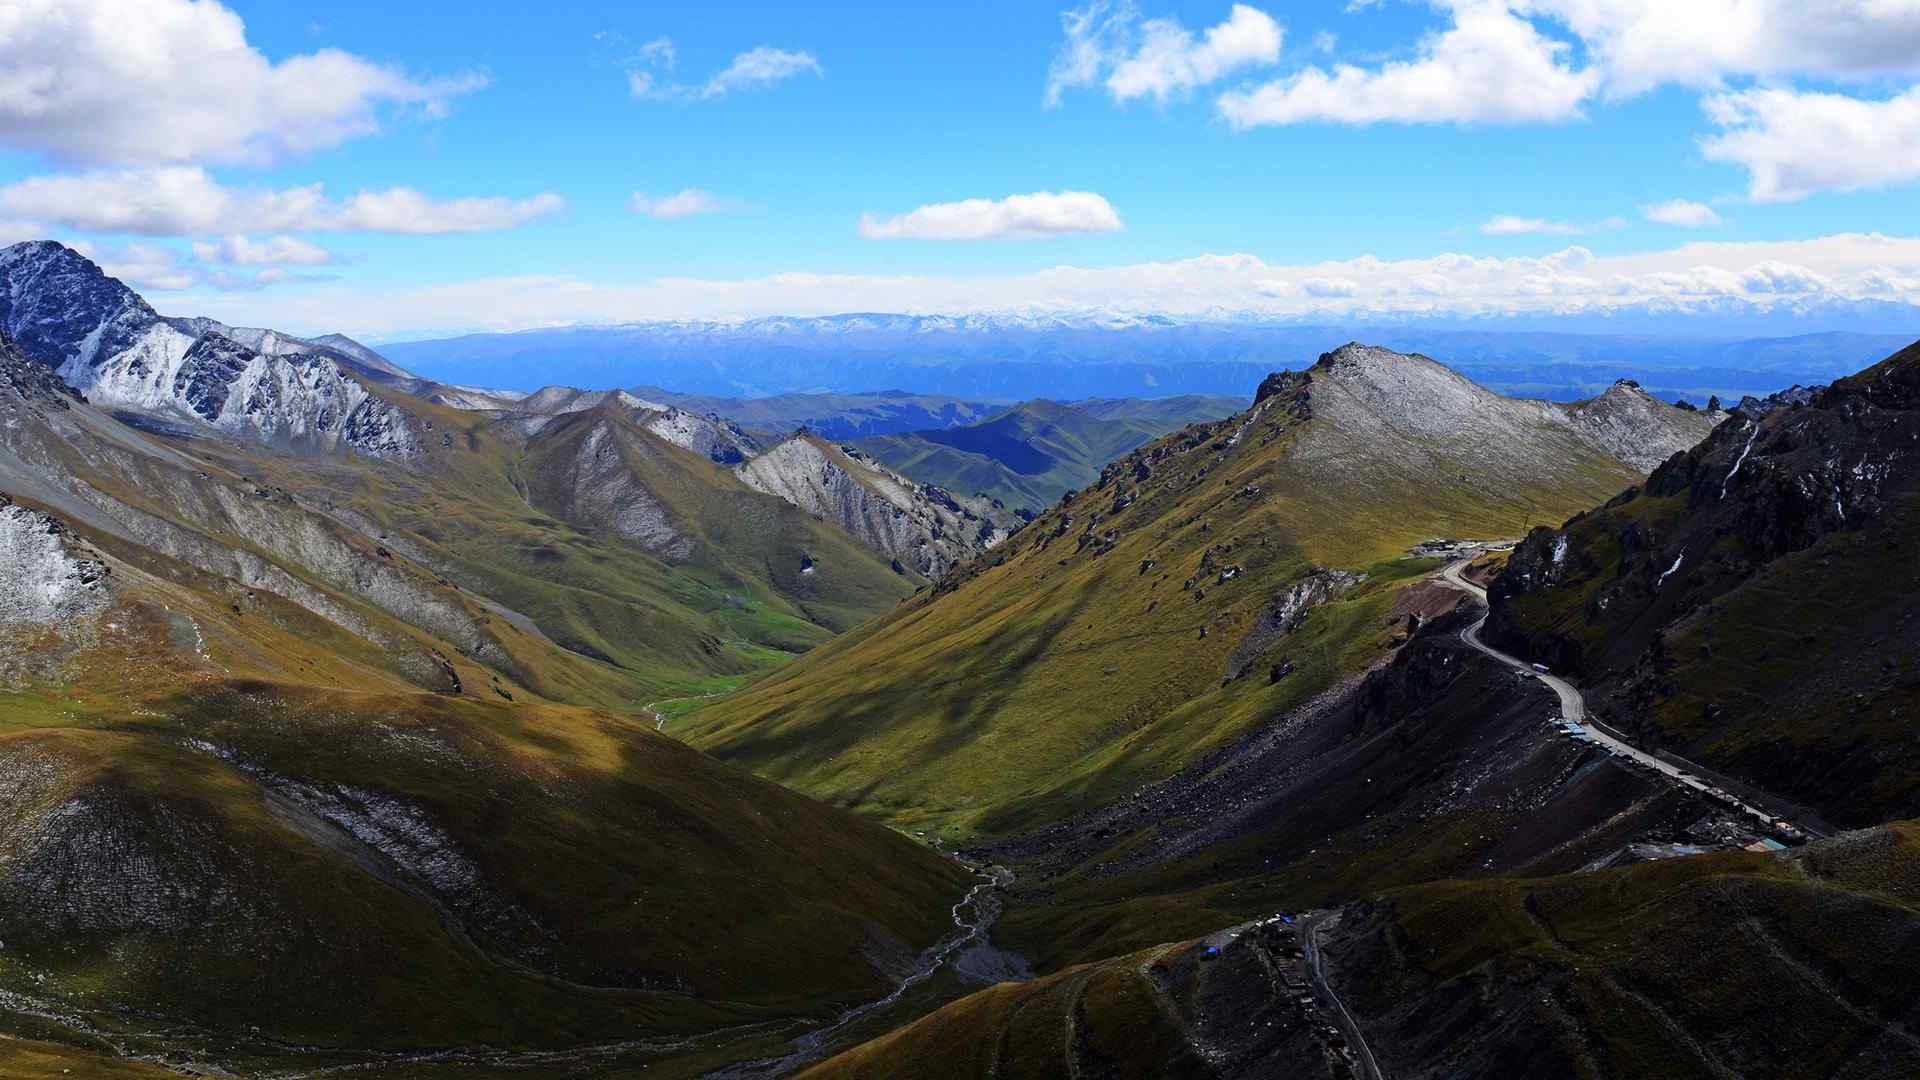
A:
x: 1750, y: 605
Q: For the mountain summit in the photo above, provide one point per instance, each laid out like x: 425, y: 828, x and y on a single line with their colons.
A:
x: 1091, y: 652
x: 109, y: 344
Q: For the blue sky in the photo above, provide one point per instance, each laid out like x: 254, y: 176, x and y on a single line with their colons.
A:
x: 167, y: 136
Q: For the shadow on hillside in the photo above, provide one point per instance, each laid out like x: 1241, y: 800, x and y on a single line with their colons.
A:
x: 963, y: 702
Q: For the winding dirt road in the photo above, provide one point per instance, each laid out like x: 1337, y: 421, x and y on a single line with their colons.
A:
x: 1573, y: 707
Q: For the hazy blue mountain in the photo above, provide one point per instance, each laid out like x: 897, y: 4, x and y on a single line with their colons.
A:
x: 1012, y: 358
x: 835, y: 416
x: 1031, y: 454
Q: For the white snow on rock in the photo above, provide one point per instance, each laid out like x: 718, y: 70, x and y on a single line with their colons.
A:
x: 106, y: 342
x: 41, y: 581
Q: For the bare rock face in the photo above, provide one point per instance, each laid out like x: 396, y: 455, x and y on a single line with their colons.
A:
x: 1410, y: 405
x: 45, y: 580
x: 107, y: 343
x: 920, y: 525
x: 597, y: 486
x: 1285, y: 612
x: 709, y: 436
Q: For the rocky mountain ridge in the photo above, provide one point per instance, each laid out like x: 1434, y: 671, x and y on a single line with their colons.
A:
x: 1685, y: 599
x: 921, y: 526
x: 109, y: 344
x: 1089, y: 653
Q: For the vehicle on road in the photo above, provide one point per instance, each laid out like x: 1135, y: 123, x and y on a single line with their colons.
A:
x: 1542, y: 669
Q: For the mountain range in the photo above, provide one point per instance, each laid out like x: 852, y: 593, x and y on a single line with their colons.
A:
x: 1068, y: 357
x: 1028, y: 456
x: 1436, y: 872
x: 1377, y: 723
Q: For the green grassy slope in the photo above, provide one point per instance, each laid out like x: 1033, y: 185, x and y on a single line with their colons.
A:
x: 496, y: 515
x: 181, y: 836
x: 279, y: 790
x: 1088, y: 654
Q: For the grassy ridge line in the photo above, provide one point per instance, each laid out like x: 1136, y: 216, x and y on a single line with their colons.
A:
x: 1039, y: 675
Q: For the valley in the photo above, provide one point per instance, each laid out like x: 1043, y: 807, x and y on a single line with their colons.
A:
x: 1118, y: 540
x: 599, y: 732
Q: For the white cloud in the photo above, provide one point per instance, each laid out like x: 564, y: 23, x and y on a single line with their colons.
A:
x: 163, y: 81
x: 1508, y: 225
x: 1330, y: 287
x: 1641, y: 44
x: 688, y: 202
x: 162, y: 268
x: 1489, y: 66
x: 1157, y: 58
x: 404, y: 210
x: 153, y: 267
x: 13, y: 232
x: 650, y: 68
x: 1795, y: 144
x: 1016, y: 217
x: 762, y: 66
x: 1850, y: 265
x: 1775, y: 277
x: 1171, y: 61
x: 282, y: 250
x: 1684, y: 213
x: 187, y: 201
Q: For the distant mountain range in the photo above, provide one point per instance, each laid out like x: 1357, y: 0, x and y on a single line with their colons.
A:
x: 833, y: 416
x: 313, y: 665
x: 1030, y: 455
x: 1015, y: 358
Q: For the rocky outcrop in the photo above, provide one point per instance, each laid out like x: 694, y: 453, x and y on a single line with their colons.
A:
x: 1283, y: 614
x: 593, y: 485
x: 1632, y: 425
x: 45, y: 578
x: 925, y: 527
x: 710, y: 436
x: 1778, y: 481
x: 1413, y: 407
x: 1751, y: 607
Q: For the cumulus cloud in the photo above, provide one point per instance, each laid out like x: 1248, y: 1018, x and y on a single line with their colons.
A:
x: 1489, y: 66
x: 1684, y: 213
x: 1157, y: 58
x: 1511, y: 225
x: 1641, y: 44
x: 153, y: 267
x: 282, y: 250
x: 685, y: 203
x: 1783, y: 278
x: 116, y: 82
x: 1324, y: 287
x: 187, y: 201
x: 1016, y: 217
x: 1794, y: 144
x: 1843, y: 266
